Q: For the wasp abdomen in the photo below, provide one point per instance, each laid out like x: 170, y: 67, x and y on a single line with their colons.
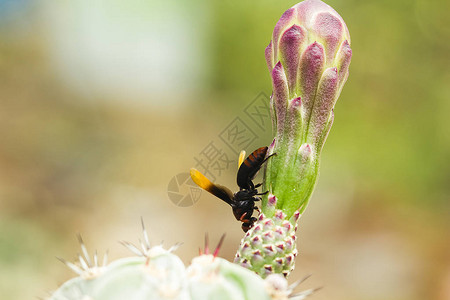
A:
x: 248, y: 169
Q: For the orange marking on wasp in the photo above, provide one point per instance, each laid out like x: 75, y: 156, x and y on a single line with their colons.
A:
x: 243, y: 201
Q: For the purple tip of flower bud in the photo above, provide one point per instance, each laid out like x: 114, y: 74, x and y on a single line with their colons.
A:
x: 257, y: 228
x: 287, y: 225
x: 280, y: 94
x: 279, y: 231
x: 268, y: 236
x: 297, y: 102
x: 282, y: 23
x: 256, y: 240
x: 297, y: 213
x: 296, y: 121
x: 280, y: 246
x: 279, y: 215
x: 269, y: 251
x: 268, y: 269
x: 321, y: 141
x: 272, y: 200
x: 290, y: 48
x: 272, y: 145
x: 331, y: 29
x: 344, y: 57
x: 305, y: 153
x: 269, y: 55
x: 307, y: 8
x: 245, y: 264
x: 288, y: 244
x: 257, y: 258
x: 279, y: 261
x: 268, y: 223
x: 325, y: 100
x: 289, y: 258
x: 311, y: 67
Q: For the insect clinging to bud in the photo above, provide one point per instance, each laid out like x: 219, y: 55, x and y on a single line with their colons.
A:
x: 243, y: 201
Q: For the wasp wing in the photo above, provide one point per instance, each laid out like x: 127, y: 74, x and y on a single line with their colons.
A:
x: 217, y: 190
x: 241, y: 158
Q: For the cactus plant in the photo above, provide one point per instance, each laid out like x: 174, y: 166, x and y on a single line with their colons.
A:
x: 308, y: 59
x: 156, y: 273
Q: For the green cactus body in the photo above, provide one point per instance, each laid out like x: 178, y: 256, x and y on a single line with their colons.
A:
x: 308, y: 59
x: 215, y: 278
x: 158, y: 274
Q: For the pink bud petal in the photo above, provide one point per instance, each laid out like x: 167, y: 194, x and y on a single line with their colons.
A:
x: 322, y: 140
x: 290, y: 48
x: 311, y: 66
x: 305, y: 153
x: 324, y: 103
x: 286, y: 19
x: 330, y: 29
x: 280, y: 95
x: 269, y: 55
x: 295, y: 120
x: 344, y: 56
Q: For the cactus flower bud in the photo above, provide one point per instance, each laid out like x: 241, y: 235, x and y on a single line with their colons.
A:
x: 308, y: 59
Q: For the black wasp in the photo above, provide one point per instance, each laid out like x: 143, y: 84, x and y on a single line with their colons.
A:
x: 243, y: 201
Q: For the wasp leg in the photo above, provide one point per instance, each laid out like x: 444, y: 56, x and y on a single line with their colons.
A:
x: 263, y: 193
x: 268, y: 157
x: 243, y: 219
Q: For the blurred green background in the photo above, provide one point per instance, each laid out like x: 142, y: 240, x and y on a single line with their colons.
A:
x: 103, y: 102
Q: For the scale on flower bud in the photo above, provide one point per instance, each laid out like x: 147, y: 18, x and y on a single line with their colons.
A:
x: 243, y: 201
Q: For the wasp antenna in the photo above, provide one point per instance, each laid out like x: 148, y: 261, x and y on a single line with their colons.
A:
x: 219, y: 245
x: 206, y: 244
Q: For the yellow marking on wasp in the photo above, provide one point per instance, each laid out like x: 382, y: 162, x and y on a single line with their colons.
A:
x: 201, y: 180
x: 241, y: 158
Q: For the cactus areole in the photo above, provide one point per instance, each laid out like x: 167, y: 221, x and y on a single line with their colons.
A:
x: 308, y: 59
